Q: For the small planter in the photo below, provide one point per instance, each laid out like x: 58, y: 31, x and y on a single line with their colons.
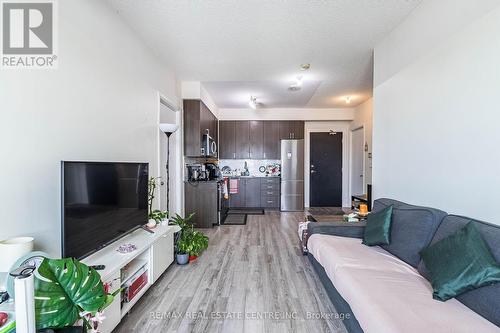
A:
x: 182, y: 259
x: 192, y: 258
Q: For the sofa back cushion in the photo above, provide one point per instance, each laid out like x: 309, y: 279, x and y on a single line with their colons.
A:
x: 412, y: 228
x: 485, y: 300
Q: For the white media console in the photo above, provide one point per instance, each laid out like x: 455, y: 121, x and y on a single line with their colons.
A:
x: 155, y: 252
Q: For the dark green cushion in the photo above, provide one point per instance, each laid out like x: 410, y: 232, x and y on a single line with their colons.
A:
x: 459, y: 263
x: 378, y: 228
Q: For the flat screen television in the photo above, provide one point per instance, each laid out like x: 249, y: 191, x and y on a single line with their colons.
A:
x: 101, y: 202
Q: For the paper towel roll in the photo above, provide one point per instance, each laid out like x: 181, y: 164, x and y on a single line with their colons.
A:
x: 25, y: 304
x: 13, y: 249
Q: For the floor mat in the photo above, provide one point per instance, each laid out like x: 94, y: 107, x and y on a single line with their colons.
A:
x: 236, y: 219
x: 248, y: 211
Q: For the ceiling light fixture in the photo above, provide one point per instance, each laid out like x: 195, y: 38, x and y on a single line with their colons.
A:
x: 348, y: 99
x: 253, y: 102
x: 305, y: 67
x: 297, y: 84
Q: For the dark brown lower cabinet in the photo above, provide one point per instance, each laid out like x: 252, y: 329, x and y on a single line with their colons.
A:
x: 201, y: 199
x: 259, y: 192
x: 252, y: 193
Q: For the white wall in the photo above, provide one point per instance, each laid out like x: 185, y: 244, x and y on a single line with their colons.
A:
x: 287, y: 114
x: 363, y: 117
x: 436, y: 117
x: 100, y: 104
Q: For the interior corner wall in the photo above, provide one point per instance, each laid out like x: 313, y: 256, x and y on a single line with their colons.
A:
x: 101, y: 104
x: 363, y: 117
x: 435, y: 134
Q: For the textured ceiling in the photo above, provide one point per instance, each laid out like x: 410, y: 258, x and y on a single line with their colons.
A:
x: 233, y: 46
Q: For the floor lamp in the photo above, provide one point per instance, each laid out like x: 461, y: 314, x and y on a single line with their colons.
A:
x: 168, y: 129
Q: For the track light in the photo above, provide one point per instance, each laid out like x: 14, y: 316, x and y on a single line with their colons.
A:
x: 297, y: 84
x: 253, y: 102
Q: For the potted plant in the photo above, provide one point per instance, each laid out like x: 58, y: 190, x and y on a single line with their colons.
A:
x: 155, y: 216
x: 183, y: 248
x: 188, y: 241
x: 69, y: 293
x: 199, y: 242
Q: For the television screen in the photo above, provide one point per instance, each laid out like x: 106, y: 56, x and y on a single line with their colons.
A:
x: 101, y: 202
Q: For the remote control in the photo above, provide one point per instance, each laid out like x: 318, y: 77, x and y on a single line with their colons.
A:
x: 98, y: 267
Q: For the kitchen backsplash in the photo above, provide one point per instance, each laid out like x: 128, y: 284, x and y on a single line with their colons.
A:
x: 253, y: 165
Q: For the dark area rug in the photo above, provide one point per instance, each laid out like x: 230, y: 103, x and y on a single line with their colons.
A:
x: 235, y: 219
x: 248, y: 211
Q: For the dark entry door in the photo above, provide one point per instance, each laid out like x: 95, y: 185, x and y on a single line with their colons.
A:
x: 326, y: 170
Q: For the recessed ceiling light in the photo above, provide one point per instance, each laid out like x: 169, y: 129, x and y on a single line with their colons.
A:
x: 253, y: 102
x: 305, y: 67
x: 348, y: 99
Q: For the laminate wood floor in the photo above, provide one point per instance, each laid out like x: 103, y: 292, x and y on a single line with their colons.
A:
x: 252, y: 278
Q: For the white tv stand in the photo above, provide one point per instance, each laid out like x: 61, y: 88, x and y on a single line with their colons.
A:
x: 154, y: 251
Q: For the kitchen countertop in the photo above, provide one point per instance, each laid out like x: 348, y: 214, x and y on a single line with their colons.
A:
x: 251, y: 176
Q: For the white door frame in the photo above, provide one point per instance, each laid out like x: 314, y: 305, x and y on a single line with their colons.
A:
x: 176, y: 153
x: 322, y: 127
x: 362, y: 127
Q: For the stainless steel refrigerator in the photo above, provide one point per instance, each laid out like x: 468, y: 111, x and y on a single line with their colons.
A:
x: 292, y: 175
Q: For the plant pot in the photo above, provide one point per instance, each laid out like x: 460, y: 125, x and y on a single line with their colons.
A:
x: 192, y: 258
x: 151, y: 224
x: 182, y: 259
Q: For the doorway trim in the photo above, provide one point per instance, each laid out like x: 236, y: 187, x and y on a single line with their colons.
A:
x: 362, y: 127
x: 321, y: 127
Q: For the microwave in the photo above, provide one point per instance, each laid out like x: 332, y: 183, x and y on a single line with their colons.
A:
x: 209, y: 146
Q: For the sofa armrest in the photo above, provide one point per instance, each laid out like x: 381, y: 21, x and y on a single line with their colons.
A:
x: 343, y: 229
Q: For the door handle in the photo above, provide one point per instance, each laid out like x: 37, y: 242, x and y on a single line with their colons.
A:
x: 313, y: 171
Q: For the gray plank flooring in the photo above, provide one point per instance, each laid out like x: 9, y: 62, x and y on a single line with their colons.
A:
x: 252, y: 278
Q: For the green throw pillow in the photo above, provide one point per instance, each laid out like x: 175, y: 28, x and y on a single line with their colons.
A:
x: 378, y: 228
x: 459, y: 263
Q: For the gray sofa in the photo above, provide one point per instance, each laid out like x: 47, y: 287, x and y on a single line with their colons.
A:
x: 414, y: 228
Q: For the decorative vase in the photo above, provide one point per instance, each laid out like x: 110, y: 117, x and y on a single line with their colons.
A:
x: 182, y: 258
x: 192, y: 258
x: 164, y: 221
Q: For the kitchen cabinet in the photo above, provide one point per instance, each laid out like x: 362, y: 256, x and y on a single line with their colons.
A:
x: 271, y: 140
x: 298, y: 130
x: 208, y: 122
x: 252, y: 192
x: 286, y: 129
x: 256, y: 192
x: 227, y: 148
x: 237, y: 200
x: 242, y: 139
x: 270, y: 192
x: 256, y: 137
x: 291, y: 130
x: 197, y: 119
x: 201, y: 199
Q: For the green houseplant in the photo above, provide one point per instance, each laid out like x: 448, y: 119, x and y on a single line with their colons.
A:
x: 189, y: 242
x: 155, y: 216
x: 66, y: 292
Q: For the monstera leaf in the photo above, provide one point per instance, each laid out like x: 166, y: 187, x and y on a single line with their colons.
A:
x: 63, y: 289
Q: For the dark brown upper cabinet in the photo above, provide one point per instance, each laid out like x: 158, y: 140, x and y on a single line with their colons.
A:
x: 197, y: 119
x: 227, y: 142
x: 298, y: 130
x: 256, y: 139
x: 272, y: 145
x: 291, y: 130
x: 242, y: 139
x: 286, y: 128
